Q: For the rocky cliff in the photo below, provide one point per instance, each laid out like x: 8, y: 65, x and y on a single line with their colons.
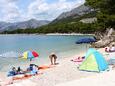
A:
x: 75, y: 13
x: 106, y: 39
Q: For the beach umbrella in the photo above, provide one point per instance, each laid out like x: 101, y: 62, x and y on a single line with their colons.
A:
x: 86, y: 40
x: 30, y: 55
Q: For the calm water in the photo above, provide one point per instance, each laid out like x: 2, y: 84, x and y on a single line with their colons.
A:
x: 11, y: 46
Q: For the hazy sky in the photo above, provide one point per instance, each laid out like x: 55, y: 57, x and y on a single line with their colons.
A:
x: 21, y: 10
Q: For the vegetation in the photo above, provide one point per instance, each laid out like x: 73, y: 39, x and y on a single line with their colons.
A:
x: 67, y: 25
x: 105, y: 18
x: 106, y: 11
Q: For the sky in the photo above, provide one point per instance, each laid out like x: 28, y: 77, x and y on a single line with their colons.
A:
x: 22, y: 10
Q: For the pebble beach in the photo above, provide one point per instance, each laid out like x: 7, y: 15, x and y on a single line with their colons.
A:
x: 65, y: 73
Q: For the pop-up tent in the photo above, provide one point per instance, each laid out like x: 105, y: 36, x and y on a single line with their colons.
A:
x: 94, y: 61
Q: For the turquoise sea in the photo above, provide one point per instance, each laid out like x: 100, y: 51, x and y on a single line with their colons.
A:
x: 11, y: 46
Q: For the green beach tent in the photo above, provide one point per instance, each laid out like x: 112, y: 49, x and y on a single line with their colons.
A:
x: 94, y: 61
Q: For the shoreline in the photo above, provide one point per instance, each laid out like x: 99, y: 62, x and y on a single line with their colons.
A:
x: 48, y: 34
x: 68, y: 34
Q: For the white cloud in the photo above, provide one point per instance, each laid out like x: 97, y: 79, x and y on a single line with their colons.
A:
x: 38, y: 6
x: 38, y: 9
x: 9, y: 10
x: 10, y: 1
x: 50, y: 11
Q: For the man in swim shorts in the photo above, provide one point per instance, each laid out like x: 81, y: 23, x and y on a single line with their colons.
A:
x: 53, y: 58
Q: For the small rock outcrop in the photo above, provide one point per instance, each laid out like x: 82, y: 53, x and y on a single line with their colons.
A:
x: 105, y: 39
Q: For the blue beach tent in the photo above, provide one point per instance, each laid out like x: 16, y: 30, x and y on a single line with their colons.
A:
x: 94, y: 61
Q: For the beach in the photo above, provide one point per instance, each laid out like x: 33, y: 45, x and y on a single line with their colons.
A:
x: 57, y: 43
x: 66, y: 72
x: 102, y: 79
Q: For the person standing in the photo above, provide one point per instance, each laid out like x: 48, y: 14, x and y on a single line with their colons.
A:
x: 53, y: 58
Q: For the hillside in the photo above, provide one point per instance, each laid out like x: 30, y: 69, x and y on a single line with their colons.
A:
x: 74, y: 13
x: 32, y: 23
x: 67, y: 22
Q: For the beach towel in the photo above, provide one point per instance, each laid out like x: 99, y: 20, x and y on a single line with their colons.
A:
x: 25, y: 76
x: 43, y: 67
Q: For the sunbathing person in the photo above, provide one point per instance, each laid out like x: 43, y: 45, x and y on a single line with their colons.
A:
x: 13, y: 72
x: 34, y: 71
x: 20, y: 71
x: 30, y: 68
x: 78, y: 59
x: 111, y: 49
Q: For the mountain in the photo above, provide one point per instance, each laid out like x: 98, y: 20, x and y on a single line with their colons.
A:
x: 77, y: 20
x: 75, y: 13
x: 32, y: 23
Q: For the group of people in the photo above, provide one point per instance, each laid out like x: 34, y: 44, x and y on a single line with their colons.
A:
x: 32, y: 69
x: 15, y: 71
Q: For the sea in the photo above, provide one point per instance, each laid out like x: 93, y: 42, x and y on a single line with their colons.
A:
x: 13, y: 46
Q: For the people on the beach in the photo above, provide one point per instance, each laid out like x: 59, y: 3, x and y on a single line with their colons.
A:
x: 53, y: 58
x: 20, y: 71
x: 33, y: 69
x: 110, y: 49
x: 78, y: 59
x: 13, y: 72
x: 30, y: 68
